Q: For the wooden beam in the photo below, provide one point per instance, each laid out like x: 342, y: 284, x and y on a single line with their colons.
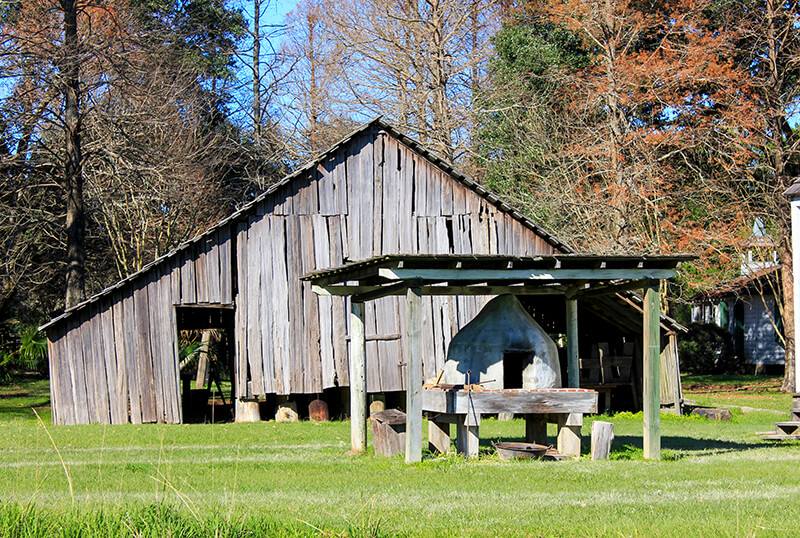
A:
x: 652, y: 372
x: 453, y: 275
x: 395, y: 288
x: 573, y: 369
x: 358, y: 380
x: 438, y: 290
x: 611, y: 289
x: 414, y: 350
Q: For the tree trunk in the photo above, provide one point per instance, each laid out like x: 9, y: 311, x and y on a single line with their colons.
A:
x: 787, y: 284
x: 73, y: 174
x: 257, y: 74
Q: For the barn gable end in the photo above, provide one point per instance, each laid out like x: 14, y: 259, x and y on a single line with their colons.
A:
x: 115, y: 358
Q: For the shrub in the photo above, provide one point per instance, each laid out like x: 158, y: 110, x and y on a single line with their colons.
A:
x: 708, y: 349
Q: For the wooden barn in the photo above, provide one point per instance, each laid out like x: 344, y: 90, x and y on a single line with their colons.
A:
x: 115, y: 359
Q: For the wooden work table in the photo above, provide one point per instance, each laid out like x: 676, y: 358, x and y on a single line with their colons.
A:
x: 464, y: 408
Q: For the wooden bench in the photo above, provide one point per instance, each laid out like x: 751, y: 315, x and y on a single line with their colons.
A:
x: 606, y: 373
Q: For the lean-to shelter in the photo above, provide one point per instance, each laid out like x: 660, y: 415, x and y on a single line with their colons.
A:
x: 114, y: 358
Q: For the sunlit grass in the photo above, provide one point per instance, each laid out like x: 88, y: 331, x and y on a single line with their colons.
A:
x: 296, y: 479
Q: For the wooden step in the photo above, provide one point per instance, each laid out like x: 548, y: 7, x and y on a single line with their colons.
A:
x: 795, y: 415
x: 780, y: 437
x: 786, y: 428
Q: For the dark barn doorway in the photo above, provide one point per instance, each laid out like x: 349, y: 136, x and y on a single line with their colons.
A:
x: 206, y: 346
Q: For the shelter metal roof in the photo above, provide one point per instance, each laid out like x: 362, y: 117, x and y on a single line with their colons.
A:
x: 568, y: 274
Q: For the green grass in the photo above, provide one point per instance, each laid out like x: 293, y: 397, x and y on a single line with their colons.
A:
x: 716, y: 479
x: 760, y: 392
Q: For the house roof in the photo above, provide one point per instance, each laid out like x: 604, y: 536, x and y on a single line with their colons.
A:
x: 740, y: 286
x: 375, y: 124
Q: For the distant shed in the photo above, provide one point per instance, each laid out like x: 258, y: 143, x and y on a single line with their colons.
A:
x: 115, y: 359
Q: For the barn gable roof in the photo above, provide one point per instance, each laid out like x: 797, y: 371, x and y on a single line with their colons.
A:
x: 377, y: 124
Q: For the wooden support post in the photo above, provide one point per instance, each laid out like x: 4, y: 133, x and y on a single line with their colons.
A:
x: 795, y: 219
x: 573, y: 372
x: 602, y: 437
x: 652, y: 372
x: 569, y: 433
x: 358, y: 379
x: 467, y: 436
x: 536, y: 429
x: 413, y: 375
x: 438, y: 436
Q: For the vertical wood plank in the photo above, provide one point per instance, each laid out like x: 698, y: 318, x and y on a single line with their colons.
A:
x: 89, y: 366
x: 358, y: 380
x: 153, y: 320
x: 116, y: 410
x: 144, y: 362
x: 267, y: 307
x: 169, y: 353
x: 312, y: 381
x: 446, y: 185
x: 573, y: 370
x: 414, y: 354
x: 131, y: 359
x: 77, y: 375
x: 188, y: 289
x: 339, y: 313
x: 284, y: 359
x: 213, y: 270
x: 240, y: 314
x: 254, y: 307
x: 296, y: 326
x: 118, y: 318
x: 406, y: 219
x: 652, y: 371
x: 322, y: 254
x: 225, y: 265
x: 55, y: 377
x: 327, y: 191
x: 378, y: 162
x: 373, y: 361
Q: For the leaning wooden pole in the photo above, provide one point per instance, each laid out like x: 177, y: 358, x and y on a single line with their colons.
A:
x: 652, y: 372
x: 358, y: 379
x: 573, y: 366
x: 413, y: 376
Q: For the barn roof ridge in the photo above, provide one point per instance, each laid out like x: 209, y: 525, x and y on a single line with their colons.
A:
x: 364, y: 128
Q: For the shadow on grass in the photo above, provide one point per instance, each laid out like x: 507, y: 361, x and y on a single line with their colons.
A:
x: 630, y: 446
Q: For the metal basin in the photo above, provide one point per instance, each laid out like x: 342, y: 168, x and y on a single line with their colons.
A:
x: 530, y: 451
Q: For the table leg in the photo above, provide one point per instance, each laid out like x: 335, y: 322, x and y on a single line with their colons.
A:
x: 467, y: 439
x: 438, y: 436
x: 569, y: 433
x: 535, y: 429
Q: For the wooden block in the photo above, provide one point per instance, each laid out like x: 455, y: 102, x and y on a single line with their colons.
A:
x: 602, y: 437
x: 467, y: 440
x: 569, y: 435
x: 438, y: 437
x: 247, y: 411
x: 388, y: 439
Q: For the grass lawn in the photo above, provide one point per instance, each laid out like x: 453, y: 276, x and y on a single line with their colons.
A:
x: 716, y: 479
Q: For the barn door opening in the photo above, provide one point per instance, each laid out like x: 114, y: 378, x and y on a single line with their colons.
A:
x: 205, y: 344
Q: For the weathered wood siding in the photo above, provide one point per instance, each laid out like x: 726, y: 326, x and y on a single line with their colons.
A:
x: 373, y: 196
x: 116, y: 361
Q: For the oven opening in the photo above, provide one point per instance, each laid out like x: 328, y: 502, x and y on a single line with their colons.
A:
x: 514, y: 362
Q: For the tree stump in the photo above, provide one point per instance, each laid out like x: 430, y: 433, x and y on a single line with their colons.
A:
x: 602, y: 437
x: 247, y: 411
